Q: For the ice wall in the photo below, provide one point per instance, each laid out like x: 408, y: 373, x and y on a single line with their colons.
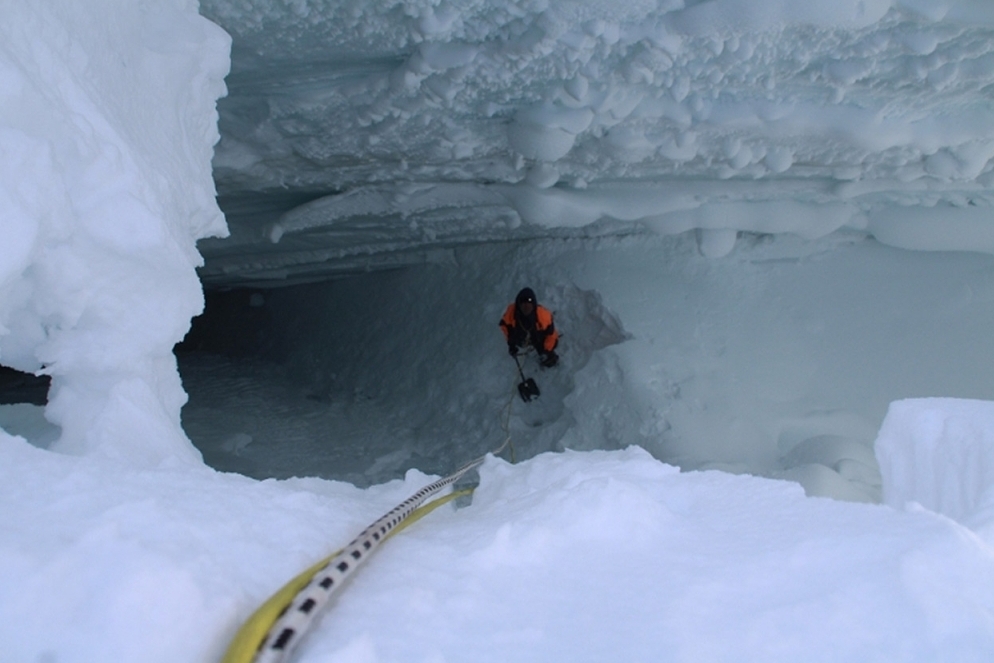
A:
x: 432, y: 123
x: 939, y: 452
x: 107, y: 127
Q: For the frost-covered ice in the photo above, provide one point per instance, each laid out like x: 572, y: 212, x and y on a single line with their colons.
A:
x: 118, y: 544
x: 431, y: 123
x: 951, y: 469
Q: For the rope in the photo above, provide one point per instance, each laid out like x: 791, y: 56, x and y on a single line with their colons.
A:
x: 505, y: 424
x: 272, y: 632
x: 506, y: 417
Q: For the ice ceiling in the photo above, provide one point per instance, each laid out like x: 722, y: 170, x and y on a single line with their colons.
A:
x: 369, y: 133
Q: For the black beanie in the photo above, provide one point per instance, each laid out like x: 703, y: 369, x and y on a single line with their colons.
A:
x: 526, y: 295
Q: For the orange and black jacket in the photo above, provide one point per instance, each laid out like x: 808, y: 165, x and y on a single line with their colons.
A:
x: 536, y: 330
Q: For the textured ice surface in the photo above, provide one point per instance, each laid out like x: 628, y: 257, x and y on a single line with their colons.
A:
x: 436, y: 124
x: 106, y: 135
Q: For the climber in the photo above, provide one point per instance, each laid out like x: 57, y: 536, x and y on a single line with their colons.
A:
x: 526, y: 323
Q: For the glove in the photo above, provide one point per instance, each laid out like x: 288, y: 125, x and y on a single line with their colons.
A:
x: 550, y: 359
x: 512, y: 349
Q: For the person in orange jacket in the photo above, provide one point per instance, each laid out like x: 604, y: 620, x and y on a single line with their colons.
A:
x: 525, y: 322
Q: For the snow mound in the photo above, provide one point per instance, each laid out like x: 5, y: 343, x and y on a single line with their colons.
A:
x: 939, y: 453
x: 107, y: 124
x: 113, y: 563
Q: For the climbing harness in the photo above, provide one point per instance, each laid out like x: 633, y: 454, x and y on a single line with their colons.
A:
x: 271, y: 633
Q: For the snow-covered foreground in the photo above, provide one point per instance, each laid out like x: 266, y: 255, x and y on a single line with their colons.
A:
x: 575, y: 556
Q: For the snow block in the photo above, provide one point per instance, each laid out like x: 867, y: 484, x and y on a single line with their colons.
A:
x: 107, y: 126
x: 938, y: 452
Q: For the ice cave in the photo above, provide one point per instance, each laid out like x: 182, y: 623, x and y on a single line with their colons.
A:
x: 254, y: 257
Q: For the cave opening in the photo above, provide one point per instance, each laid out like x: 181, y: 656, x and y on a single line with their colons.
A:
x: 364, y: 377
x: 779, y: 359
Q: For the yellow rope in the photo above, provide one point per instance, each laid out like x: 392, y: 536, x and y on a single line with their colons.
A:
x: 249, y: 639
x: 250, y: 636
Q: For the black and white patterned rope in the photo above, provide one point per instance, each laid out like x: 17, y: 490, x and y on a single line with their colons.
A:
x: 290, y: 627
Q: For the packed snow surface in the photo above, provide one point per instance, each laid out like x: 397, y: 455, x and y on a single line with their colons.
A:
x: 831, y: 123
x: 581, y: 556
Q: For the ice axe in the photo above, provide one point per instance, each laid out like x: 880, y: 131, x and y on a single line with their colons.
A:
x: 527, y: 388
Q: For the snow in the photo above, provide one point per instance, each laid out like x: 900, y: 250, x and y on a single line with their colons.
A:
x: 937, y: 453
x: 779, y: 359
x: 717, y: 380
x: 525, y: 117
x: 102, y: 213
x: 573, y: 556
